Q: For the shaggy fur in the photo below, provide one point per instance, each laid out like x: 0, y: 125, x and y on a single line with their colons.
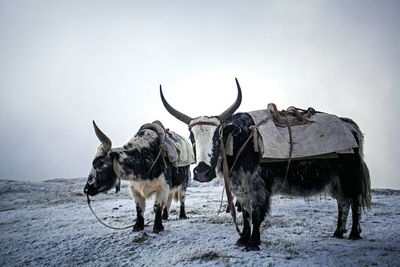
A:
x: 345, y: 178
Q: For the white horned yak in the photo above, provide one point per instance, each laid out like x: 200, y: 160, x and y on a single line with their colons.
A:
x: 253, y: 181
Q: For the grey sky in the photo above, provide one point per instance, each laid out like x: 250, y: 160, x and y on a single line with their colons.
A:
x: 64, y: 63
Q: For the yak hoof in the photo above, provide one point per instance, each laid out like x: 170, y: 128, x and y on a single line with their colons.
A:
x: 138, y: 227
x: 158, y: 228
x: 338, y: 234
x: 183, y: 217
x: 251, y: 247
x: 354, y: 235
x: 242, y: 242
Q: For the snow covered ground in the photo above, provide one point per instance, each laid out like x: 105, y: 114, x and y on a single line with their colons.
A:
x: 49, y: 223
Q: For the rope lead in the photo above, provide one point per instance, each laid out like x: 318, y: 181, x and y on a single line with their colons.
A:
x: 111, y: 227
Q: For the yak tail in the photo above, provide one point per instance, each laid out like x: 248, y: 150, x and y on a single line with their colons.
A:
x: 365, y: 177
x: 364, y: 172
x: 365, y: 180
x: 177, y: 195
x: 366, y: 186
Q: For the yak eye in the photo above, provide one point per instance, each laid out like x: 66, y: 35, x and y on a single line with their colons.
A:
x: 97, y: 163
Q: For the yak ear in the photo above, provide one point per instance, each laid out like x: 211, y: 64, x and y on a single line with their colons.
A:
x: 232, y: 130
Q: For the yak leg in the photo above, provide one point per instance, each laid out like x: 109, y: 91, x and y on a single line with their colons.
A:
x: 140, y: 207
x: 356, y: 215
x: 245, y: 236
x: 257, y: 217
x: 161, y: 197
x: 260, y: 203
x: 182, y: 197
x: 343, y: 212
x: 238, y: 206
x: 254, y: 241
x: 167, y: 205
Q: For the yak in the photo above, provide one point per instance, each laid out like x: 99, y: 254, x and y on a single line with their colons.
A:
x: 253, y: 182
x: 146, y: 166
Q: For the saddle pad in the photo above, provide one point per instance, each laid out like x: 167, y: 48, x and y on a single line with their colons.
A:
x: 325, y: 134
x: 184, y: 149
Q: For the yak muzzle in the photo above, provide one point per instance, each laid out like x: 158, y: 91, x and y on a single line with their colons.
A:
x: 203, y: 172
x: 90, y: 190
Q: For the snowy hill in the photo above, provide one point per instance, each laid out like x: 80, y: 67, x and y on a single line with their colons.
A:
x: 49, y: 223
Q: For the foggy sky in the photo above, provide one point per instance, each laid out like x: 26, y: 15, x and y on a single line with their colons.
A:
x: 65, y: 63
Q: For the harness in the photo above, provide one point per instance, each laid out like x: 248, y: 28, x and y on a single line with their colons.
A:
x: 203, y: 123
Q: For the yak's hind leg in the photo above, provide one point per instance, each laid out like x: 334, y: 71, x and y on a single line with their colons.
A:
x: 167, y: 205
x: 343, y: 212
x: 356, y: 215
x: 140, y: 207
x: 161, y: 199
x: 182, y: 197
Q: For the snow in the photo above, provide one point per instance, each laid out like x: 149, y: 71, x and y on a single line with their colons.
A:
x: 49, y: 223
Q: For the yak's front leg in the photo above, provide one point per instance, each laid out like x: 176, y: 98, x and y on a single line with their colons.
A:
x: 260, y: 203
x: 161, y: 199
x: 245, y: 236
x: 343, y: 212
x: 140, y: 207
x: 258, y: 214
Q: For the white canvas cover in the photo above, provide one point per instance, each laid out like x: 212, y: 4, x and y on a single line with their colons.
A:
x: 325, y: 134
x: 184, y: 150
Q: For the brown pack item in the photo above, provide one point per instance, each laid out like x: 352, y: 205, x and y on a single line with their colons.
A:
x: 291, y: 116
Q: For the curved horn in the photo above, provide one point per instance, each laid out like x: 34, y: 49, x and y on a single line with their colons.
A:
x: 102, y: 137
x: 224, y: 115
x: 179, y: 115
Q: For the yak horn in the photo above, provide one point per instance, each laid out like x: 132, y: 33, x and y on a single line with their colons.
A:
x: 179, y: 115
x: 227, y: 113
x: 106, y: 142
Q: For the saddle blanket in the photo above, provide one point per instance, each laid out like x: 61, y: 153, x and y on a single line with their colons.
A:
x: 323, y: 136
x: 180, y: 152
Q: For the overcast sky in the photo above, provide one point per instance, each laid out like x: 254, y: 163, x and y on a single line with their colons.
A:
x: 65, y: 63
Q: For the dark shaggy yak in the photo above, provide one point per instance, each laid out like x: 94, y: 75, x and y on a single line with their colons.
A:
x: 148, y: 172
x: 345, y: 178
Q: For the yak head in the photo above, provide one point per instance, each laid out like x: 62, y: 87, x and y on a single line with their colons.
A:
x: 205, y: 137
x: 102, y: 176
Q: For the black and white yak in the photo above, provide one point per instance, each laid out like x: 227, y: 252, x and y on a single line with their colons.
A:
x: 254, y: 182
x: 145, y: 167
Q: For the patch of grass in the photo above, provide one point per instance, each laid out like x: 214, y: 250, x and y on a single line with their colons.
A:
x: 140, y: 239
x: 219, y: 220
x: 383, y: 213
x: 206, y: 256
x: 7, y: 208
x: 279, y: 222
x: 209, y: 256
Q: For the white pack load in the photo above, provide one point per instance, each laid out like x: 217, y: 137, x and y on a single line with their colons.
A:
x: 184, y: 150
x: 300, y: 134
